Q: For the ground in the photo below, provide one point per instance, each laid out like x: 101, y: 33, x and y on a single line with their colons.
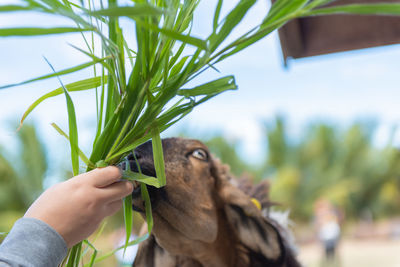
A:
x: 355, y: 253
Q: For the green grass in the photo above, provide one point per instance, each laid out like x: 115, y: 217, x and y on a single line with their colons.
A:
x: 142, y: 92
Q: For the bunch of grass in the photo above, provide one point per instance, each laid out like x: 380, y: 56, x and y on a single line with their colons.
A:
x: 142, y: 92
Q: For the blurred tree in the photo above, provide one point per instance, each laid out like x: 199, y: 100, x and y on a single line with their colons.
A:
x: 277, y: 143
x: 343, y: 167
x: 9, y: 191
x: 227, y: 152
x: 21, y: 176
x: 32, y: 171
x: 338, y: 164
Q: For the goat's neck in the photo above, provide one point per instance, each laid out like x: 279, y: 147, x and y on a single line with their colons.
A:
x: 222, y: 252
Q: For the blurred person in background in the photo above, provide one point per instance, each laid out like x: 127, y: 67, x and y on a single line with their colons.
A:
x: 327, y: 222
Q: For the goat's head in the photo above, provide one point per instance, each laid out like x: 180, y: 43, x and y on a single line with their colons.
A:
x: 199, y: 207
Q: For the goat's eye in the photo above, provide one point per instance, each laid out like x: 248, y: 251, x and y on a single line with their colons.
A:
x: 200, y: 154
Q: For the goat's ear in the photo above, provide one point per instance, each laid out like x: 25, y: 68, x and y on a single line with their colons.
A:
x: 229, y: 193
x: 260, y: 238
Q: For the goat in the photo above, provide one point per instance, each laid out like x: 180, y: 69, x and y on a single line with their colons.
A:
x: 200, y: 218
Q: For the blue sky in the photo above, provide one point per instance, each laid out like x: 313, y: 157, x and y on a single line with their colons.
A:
x: 338, y: 88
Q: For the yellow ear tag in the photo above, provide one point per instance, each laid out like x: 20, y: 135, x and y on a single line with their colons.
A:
x: 256, y: 203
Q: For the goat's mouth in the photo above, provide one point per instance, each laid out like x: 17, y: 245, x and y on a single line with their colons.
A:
x: 136, y: 194
x: 136, y: 189
x: 146, y: 168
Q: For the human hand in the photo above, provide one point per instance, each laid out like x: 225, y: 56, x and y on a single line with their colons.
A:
x: 76, y: 207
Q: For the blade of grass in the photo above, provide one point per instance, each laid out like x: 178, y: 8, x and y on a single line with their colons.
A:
x: 174, y: 115
x: 79, y: 253
x: 176, y: 69
x: 100, y: 230
x: 99, y: 60
x: 94, y: 255
x: 53, y: 4
x: 71, y: 87
x: 134, y: 242
x: 241, y: 44
x: 73, y: 133
x: 135, y: 176
x: 210, y: 88
x: 283, y: 8
x: 130, y: 118
x: 128, y: 213
x: 147, y: 205
x: 177, y: 55
x: 128, y: 218
x: 121, y: 61
x: 128, y: 207
x: 100, y: 111
x: 66, y: 11
x: 81, y: 154
x: 12, y: 8
x: 138, y: 10
x: 272, y: 22
x: 113, y: 158
x: 59, y: 73
x: 73, y: 129
x: 216, y: 15
x: 112, y: 90
x: 174, y: 111
x: 176, y: 35
x: 7, y: 32
x: 64, y: 262
x: 146, y: 198
x: 317, y: 3
x: 158, y: 156
x: 106, y: 139
x: 230, y: 22
x: 277, y: 8
x: 390, y: 9
x: 74, y: 255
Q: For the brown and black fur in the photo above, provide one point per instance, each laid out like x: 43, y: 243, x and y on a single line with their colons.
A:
x: 201, y: 219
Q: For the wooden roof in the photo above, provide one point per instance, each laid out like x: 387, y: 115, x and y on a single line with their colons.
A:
x: 320, y: 35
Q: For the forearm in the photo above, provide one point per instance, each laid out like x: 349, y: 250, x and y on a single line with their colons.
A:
x: 32, y: 242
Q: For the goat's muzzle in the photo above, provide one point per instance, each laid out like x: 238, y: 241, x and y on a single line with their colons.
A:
x: 141, y: 160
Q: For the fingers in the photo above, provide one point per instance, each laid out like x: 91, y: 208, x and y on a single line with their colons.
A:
x: 102, y: 177
x: 116, y: 191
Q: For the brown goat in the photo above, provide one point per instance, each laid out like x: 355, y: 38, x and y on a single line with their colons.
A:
x: 202, y: 219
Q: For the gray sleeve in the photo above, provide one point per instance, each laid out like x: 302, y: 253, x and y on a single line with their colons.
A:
x: 32, y: 243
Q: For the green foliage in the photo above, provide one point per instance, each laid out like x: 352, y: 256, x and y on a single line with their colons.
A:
x: 10, y: 199
x: 22, y: 172
x: 277, y: 146
x: 227, y: 152
x: 341, y: 165
x: 32, y: 166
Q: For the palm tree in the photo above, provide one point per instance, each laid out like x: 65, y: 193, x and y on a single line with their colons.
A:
x: 21, y: 176
x: 33, y: 164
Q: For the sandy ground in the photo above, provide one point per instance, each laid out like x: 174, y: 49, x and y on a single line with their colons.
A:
x: 355, y: 253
